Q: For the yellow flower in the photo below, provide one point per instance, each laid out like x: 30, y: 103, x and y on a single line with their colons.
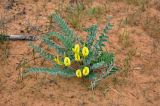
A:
x: 67, y: 61
x: 57, y: 61
x: 77, y: 57
x: 78, y: 73
x: 85, y: 71
x: 85, y: 51
x: 76, y: 48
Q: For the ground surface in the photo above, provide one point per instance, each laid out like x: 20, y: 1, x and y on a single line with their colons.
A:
x: 135, y: 40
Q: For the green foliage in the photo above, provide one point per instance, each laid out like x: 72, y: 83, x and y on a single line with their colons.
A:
x: 106, y: 57
x: 75, y: 57
x: 98, y: 65
x: 103, y: 38
x: 44, y: 54
x: 52, y: 71
x: 61, y: 23
x: 51, y: 44
x: 67, y: 41
x: 92, y: 31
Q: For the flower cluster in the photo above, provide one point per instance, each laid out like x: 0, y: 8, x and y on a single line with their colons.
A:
x: 84, y: 72
x: 77, y: 57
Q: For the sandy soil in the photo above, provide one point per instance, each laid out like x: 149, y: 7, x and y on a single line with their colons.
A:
x: 138, y: 86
